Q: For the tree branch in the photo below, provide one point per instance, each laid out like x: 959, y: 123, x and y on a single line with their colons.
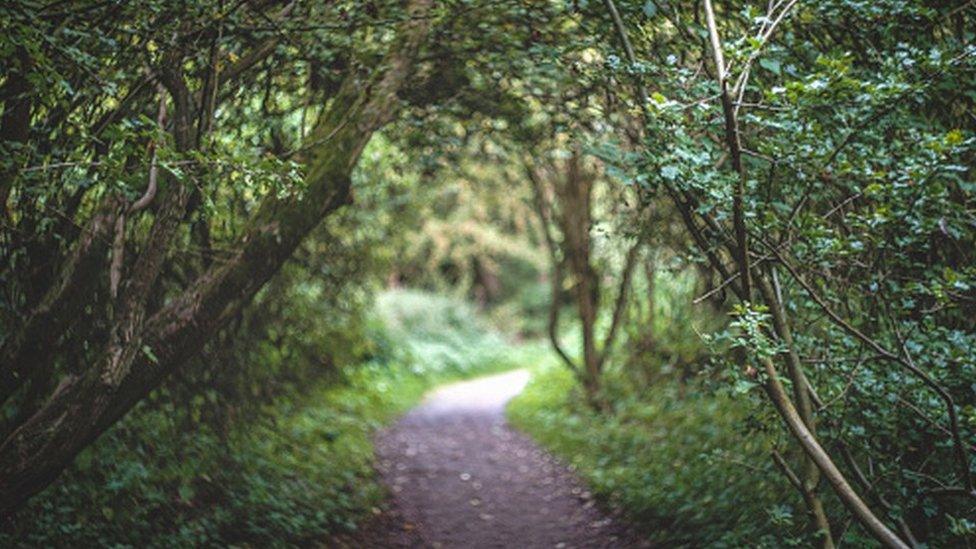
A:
x: 732, y: 140
x: 781, y: 401
x: 621, y: 302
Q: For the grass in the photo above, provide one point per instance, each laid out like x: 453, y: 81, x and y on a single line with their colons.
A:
x: 682, y: 467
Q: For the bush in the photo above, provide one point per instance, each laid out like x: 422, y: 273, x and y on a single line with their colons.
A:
x: 443, y: 335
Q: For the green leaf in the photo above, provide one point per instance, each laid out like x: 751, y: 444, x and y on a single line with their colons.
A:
x: 186, y: 492
x: 771, y: 65
x: 743, y: 386
x: 146, y: 350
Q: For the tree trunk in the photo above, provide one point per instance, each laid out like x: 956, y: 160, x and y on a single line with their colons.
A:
x: 575, y: 198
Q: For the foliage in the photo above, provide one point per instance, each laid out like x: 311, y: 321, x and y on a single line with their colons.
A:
x: 846, y: 196
x: 296, y: 471
x: 162, y: 162
x: 664, y: 330
x: 679, y: 454
x: 310, y: 322
x: 805, y: 166
x: 478, y: 235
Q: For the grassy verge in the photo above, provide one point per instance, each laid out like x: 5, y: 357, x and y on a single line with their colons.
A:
x: 301, y: 471
x: 682, y: 468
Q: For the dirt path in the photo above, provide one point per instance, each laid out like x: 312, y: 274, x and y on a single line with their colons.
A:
x: 461, y: 477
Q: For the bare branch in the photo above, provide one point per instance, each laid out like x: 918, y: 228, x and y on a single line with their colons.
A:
x: 906, y: 362
x: 735, y: 150
x: 774, y: 388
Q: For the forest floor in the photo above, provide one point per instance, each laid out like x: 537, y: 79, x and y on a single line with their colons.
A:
x: 460, y: 476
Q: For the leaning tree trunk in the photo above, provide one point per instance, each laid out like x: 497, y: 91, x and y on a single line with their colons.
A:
x: 145, y: 350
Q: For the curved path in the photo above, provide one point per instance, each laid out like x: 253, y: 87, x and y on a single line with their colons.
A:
x: 461, y: 477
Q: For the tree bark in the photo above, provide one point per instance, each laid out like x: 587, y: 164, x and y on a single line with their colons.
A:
x: 23, y: 353
x: 735, y: 151
x: 804, y: 404
x: 575, y: 193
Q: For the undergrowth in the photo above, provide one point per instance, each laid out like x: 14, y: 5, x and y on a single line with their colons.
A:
x: 678, y: 463
x: 294, y: 474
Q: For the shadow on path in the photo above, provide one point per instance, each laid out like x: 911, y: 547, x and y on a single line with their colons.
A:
x: 460, y: 476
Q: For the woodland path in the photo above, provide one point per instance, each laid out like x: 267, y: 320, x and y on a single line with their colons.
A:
x: 460, y: 476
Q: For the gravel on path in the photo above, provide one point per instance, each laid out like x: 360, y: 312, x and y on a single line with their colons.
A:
x: 460, y: 476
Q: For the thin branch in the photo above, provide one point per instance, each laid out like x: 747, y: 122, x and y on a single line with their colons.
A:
x: 716, y: 289
x: 906, y: 362
x: 152, y: 186
x: 621, y: 303
x: 542, y: 211
x: 733, y: 142
x: 765, y: 33
x: 777, y: 393
x: 786, y: 470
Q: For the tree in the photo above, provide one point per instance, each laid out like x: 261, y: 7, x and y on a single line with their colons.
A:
x: 148, y: 339
x: 564, y: 200
x: 790, y: 170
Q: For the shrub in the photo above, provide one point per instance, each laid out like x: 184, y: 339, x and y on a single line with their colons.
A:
x: 443, y: 335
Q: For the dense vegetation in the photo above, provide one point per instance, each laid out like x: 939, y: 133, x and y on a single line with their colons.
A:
x: 299, y: 470
x: 745, y: 229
